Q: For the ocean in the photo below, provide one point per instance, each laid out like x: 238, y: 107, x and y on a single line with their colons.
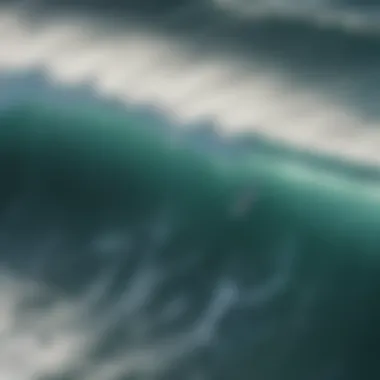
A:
x: 189, y: 190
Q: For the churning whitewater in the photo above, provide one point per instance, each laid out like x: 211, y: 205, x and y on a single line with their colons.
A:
x: 189, y: 190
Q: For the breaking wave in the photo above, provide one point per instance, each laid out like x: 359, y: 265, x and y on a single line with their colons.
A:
x: 189, y: 190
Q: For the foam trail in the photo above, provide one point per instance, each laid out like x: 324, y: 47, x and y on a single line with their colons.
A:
x: 132, y: 65
x: 46, y: 332
x: 359, y: 17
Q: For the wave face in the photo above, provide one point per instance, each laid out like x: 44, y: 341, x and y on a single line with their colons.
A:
x: 189, y: 190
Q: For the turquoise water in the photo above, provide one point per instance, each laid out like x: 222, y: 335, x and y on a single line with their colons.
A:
x: 252, y: 267
x: 135, y: 245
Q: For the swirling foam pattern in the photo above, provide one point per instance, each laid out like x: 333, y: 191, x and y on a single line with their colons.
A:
x: 189, y: 190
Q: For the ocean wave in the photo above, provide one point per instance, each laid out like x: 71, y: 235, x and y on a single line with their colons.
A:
x: 361, y: 16
x: 313, y: 88
x: 168, y: 205
x: 120, y: 256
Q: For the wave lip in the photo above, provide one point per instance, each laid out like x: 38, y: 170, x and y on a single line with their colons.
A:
x: 264, y: 98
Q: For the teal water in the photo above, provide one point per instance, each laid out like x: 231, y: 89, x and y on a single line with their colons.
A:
x: 134, y: 246
x: 164, y: 261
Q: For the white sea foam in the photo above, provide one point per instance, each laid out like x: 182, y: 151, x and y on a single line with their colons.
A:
x: 138, y: 66
x: 46, y: 330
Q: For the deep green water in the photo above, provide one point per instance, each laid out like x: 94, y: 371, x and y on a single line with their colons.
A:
x: 259, y: 265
